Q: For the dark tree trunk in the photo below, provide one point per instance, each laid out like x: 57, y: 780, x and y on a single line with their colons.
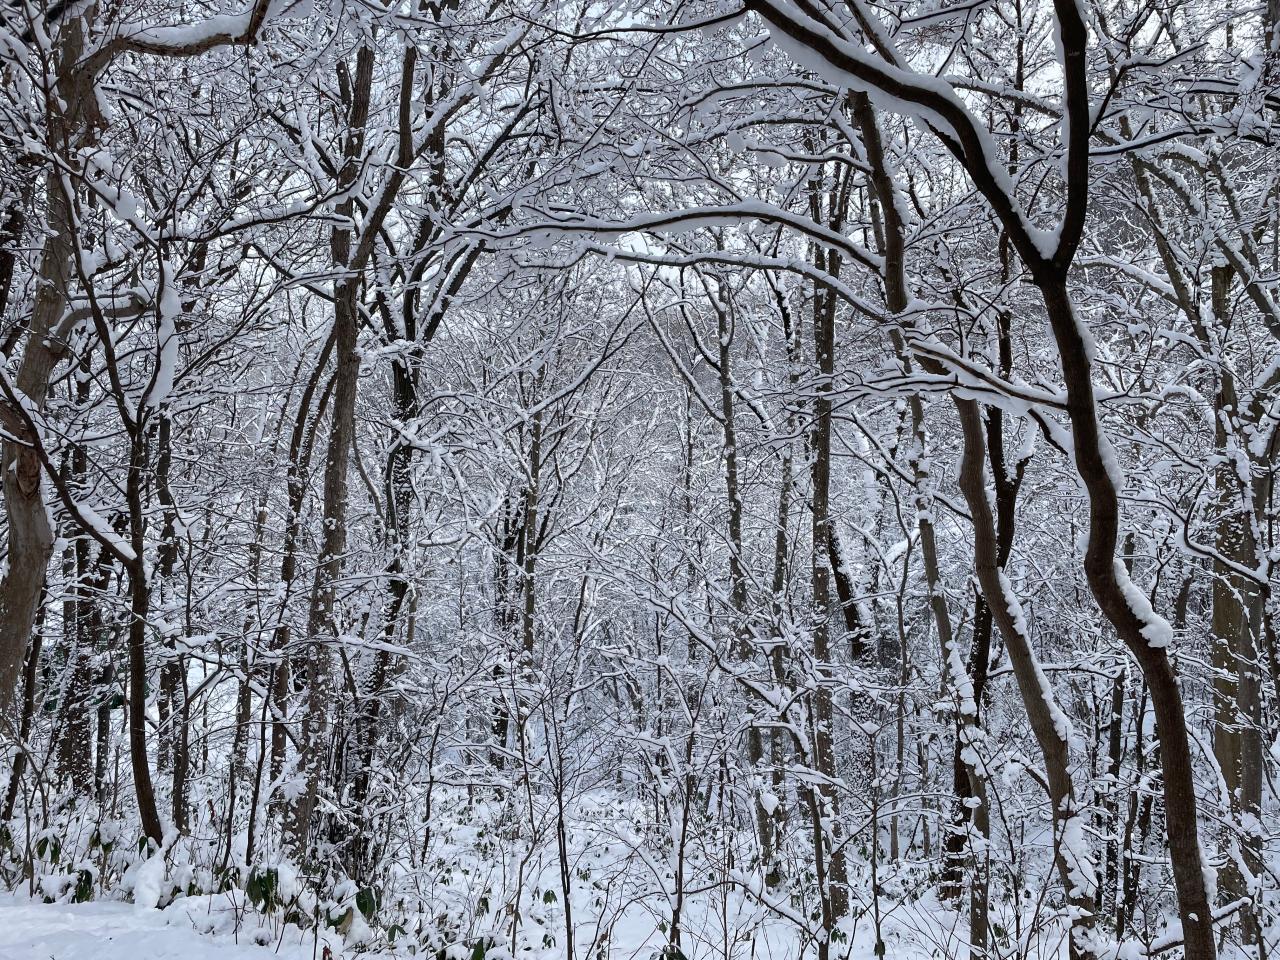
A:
x: 29, y: 676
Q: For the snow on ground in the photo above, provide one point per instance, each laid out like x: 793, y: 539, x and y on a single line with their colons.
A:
x: 30, y: 930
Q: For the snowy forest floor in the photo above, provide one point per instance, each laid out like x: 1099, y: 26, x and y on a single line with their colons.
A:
x: 480, y: 884
x: 31, y: 930
x: 208, y: 928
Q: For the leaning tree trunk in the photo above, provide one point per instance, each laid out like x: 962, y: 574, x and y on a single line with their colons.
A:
x: 959, y: 683
x: 1143, y: 632
x: 1128, y: 611
x: 1049, y: 723
x: 30, y: 535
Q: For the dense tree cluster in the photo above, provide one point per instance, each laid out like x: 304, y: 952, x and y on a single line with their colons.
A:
x: 540, y: 477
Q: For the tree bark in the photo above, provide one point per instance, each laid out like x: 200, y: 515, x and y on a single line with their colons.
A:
x: 322, y: 626
x: 824, y: 801
x: 71, y: 125
x: 1235, y: 625
x: 20, y: 760
x: 1093, y: 457
x: 1048, y: 722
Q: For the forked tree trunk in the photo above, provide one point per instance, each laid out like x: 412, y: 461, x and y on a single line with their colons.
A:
x: 1126, y: 609
x: 301, y: 447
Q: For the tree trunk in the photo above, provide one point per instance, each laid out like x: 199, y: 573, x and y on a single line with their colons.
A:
x: 173, y: 680
x: 30, y: 535
x: 74, y: 740
x: 1049, y: 723
x: 322, y: 626
x: 1146, y: 635
x: 1235, y: 625
x: 958, y: 681
x: 139, y: 608
x: 29, y: 675
x: 744, y: 650
x: 826, y: 827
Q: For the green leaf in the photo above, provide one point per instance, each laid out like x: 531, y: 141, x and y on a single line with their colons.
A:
x: 83, y: 892
x: 367, y: 901
x: 263, y: 887
x: 50, y: 848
